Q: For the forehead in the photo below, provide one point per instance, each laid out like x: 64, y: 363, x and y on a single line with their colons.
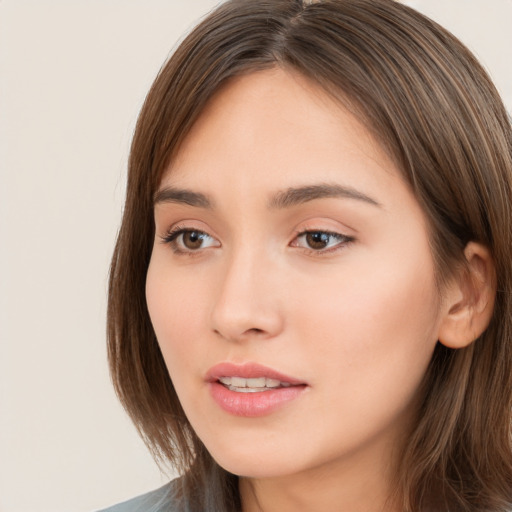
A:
x: 274, y: 124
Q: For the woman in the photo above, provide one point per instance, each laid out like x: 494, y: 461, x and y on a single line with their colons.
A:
x: 310, y: 296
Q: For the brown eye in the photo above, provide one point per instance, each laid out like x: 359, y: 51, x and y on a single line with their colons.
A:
x: 318, y: 240
x: 321, y: 241
x: 184, y: 240
x: 193, y: 239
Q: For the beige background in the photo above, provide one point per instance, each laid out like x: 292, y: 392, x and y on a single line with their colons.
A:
x: 73, y: 74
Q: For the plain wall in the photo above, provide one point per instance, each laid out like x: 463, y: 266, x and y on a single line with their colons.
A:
x: 73, y: 75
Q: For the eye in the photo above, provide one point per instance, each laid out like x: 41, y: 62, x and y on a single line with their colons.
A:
x: 184, y: 240
x: 321, y: 241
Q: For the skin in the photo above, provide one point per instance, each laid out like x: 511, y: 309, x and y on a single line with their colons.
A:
x: 357, y: 321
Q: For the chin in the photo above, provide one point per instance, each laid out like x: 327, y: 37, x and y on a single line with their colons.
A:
x: 252, y: 469
x: 252, y: 461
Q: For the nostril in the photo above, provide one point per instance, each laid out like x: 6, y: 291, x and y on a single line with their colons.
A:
x: 243, y: 335
x: 255, y: 331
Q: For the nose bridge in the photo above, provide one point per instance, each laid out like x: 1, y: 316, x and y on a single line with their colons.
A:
x: 247, y: 299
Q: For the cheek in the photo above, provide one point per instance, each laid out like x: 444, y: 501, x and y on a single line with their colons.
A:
x: 374, y: 332
x: 176, y: 306
x: 378, y: 294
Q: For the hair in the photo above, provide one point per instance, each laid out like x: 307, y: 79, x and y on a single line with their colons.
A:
x: 432, y: 107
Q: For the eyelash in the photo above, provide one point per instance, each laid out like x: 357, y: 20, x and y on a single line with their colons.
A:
x: 171, y: 238
x: 342, y: 241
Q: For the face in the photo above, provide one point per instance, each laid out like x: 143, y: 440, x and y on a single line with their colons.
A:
x: 291, y: 285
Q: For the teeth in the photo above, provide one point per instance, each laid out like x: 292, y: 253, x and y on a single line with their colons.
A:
x: 239, y: 382
x: 273, y: 383
x: 252, y: 385
x: 256, y: 383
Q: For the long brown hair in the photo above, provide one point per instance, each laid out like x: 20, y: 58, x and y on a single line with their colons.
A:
x: 435, y: 111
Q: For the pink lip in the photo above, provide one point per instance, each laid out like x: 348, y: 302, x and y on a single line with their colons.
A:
x: 251, y: 404
x: 248, y: 371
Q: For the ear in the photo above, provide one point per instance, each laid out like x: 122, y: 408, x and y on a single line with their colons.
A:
x: 469, y: 299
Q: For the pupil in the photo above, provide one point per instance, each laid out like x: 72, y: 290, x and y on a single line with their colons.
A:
x: 192, y: 239
x: 317, y: 240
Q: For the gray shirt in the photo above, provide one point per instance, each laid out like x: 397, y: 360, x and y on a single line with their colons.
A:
x: 160, y: 500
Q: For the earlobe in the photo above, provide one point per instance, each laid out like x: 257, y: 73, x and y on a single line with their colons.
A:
x: 469, y: 299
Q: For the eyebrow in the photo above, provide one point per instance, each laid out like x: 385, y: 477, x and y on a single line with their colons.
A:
x: 285, y: 199
x: 183, y: 196
x: 299, y: 195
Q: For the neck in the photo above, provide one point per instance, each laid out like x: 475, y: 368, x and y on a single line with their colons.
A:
x: 350, y: 486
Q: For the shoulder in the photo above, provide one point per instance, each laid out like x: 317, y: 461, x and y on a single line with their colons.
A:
x: 159, y: 500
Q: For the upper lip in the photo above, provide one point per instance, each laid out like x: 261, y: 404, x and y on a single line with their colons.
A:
x: 248, y: 371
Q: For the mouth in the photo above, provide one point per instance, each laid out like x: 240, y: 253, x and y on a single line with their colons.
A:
x: 250, y: 377
x: 254, y: 385
x: 251, y: 389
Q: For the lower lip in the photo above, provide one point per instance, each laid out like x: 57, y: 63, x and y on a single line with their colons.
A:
x: 251, y: 405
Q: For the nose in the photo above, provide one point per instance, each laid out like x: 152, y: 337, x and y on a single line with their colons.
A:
x: 248, y: 301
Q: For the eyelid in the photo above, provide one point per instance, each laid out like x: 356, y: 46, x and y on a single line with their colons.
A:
x: 173, y: 229
x: 344, y: 240
x: 174, y: 232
